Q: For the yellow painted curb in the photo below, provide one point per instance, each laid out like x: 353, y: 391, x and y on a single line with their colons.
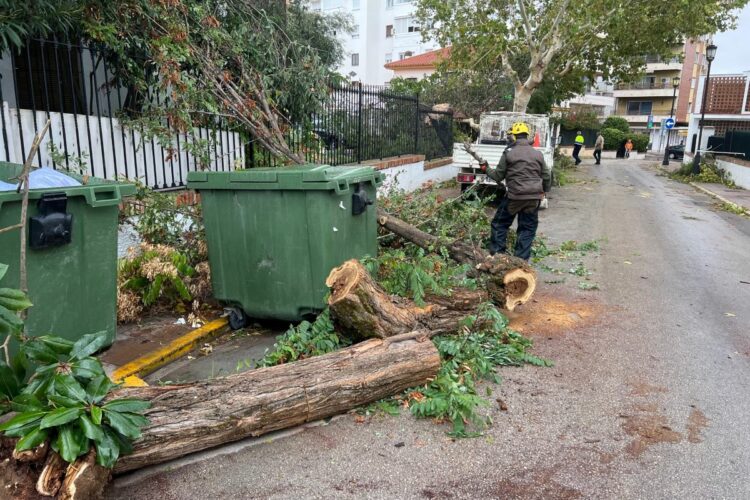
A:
x: 720, y: 198
x: 175, y: 349
x: 133, y: 381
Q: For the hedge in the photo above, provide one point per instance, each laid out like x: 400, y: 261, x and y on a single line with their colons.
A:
x: 640, y: 142
x: 616, y: 122
x: 612, y: 138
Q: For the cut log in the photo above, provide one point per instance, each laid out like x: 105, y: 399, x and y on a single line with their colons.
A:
x: 33, y: 455
x: 201, y: 415
x: 84, y: 479
x: 359, y: 307
x: 51, y: 478
x: 511, y: 281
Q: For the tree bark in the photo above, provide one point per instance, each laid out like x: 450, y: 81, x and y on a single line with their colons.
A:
x: 53, y: 473
x: 360, y: 308
x: 84, y: 479
x: 511, y: 281
x: 522, y: 98
x: 193, y: 417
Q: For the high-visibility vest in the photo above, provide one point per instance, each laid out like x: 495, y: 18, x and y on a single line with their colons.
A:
x: 580, y: 140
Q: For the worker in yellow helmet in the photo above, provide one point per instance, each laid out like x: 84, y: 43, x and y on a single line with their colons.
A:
x: 528, y: 178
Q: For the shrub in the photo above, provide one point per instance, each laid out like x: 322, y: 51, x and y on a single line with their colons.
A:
x: 612, y: 138
x: 616, y: 122
x: 640, y: 142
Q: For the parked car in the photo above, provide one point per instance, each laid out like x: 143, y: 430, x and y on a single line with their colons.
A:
x: 676, y: 152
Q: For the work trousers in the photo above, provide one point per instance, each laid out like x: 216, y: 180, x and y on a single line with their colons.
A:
x: 528, y: 220
x: 598, y: 156
x: 576, y: 150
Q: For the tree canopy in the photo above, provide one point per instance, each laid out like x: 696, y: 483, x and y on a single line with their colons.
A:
x: 261, y: 63
x: 532, y: 41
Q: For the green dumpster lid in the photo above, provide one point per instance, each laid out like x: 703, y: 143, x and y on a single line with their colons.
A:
x: 97, y: 192
x: 299, y: 177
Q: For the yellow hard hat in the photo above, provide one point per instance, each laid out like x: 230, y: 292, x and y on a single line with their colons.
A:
x: 520, y: 128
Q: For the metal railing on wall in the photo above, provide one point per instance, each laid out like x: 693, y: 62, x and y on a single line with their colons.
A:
x: 95, y: 131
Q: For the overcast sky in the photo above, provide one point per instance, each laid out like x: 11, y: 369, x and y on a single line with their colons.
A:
x: 732, y: 52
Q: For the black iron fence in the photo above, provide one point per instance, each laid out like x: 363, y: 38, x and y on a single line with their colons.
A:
x: 93, y: 128
x: 358, y: 123
x: 734, y: 141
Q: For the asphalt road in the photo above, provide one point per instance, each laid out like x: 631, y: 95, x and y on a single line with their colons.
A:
x: 649, y: 396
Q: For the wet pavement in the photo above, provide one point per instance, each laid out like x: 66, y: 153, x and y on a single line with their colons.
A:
x: 648, y: 397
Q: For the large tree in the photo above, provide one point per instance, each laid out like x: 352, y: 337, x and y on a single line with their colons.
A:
x: 558, y: 37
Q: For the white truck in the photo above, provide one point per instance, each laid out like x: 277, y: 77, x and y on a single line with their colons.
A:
x: 492, y: 141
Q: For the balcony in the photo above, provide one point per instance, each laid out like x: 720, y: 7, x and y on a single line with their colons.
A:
x: 644, y: 89
x: 654, y: 64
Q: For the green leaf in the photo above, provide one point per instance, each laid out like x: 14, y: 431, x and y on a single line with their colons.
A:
x: 88, y: 368
x: 89, y: 428
x: 98, y: 388
x: 9, y: 385
x: 60, y: 416
x: 21, y: 420
x: 20, y: 364
x: 88, y: 345
x: 71, y: 442
x: 10, y: 318
x: 26, y: 403
x: 127, y: 405
x: 38, y: 351
x: 67, y: 386
x: 96, y: 415
x: 32, y: 439
x: 57, y: 344
x: 107, y: 449
x: 124, y: 423
x: 3, y: 270
x: 14, y: 300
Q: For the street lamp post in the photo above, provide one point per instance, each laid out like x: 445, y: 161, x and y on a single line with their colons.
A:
x: 675, y: 84
x: 710, y: 55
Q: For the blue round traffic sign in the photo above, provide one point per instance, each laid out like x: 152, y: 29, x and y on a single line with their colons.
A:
x: 669, y: 123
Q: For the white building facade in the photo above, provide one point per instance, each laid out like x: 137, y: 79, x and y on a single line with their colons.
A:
x: 384, y: 31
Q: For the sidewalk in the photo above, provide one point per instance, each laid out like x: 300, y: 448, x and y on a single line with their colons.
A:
x: 724, y: 194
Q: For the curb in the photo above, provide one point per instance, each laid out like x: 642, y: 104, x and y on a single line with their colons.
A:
x: 130, y: 372
x: 720, y: 198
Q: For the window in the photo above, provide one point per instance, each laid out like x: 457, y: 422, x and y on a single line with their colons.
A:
x: 355, y: 59
x: 389, y: 31
x: 404, y: 55
x: 355, y: 4
x: 406, y: 25
x: 388, y: 57
x: 355, y: 31
x: 390, y: 3
x: 639, y: 107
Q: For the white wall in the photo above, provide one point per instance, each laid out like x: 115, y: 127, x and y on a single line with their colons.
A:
x: 128, y: 156
x: 412, y: 176
x: 739, y: 173
x: 412, y: 73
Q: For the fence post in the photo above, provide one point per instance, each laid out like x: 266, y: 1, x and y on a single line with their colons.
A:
x: 359, y: 126
x: 416, y: 126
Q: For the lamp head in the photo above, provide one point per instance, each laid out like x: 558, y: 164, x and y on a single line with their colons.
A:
x: 711, y: 52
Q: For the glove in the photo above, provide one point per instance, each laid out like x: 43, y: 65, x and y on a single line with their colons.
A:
x: 544, y: 204
x: 483, y: 166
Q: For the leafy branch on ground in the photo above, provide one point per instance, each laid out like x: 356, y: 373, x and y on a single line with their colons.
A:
x: 158, y: 276
x: 305, y: 341
x: 709, y: 173
x: 469, y: 357
x: 59, y: 391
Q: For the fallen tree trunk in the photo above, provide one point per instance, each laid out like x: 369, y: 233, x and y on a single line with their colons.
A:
x: 511, y: 282
x: 360, y: 308
x: 201, y: 415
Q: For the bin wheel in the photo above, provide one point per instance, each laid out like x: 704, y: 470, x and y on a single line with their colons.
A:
x: 237, y: 319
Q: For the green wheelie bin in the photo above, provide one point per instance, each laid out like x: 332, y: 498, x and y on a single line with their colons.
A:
x: 71, y: 254
x: 274, y: 234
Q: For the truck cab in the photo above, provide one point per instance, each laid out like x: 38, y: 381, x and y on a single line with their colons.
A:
x: 492, y: 141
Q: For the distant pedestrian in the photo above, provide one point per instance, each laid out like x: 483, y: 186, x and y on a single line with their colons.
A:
x: 598, y: 148
x: 578, y: 144
x: 628, y: 148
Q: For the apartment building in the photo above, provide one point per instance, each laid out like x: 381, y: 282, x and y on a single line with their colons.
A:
x: 384, y: 31
x: 646, y: 103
